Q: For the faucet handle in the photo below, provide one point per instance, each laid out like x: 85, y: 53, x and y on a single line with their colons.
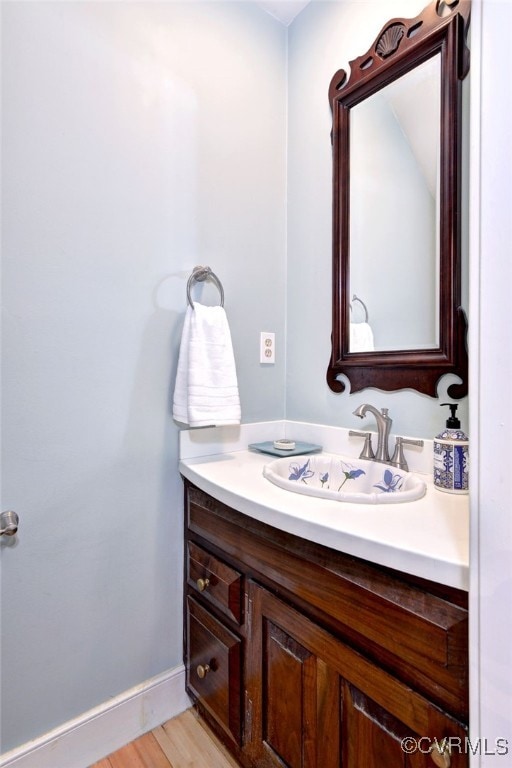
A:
x: 367, y: 452
x: 398, y: 459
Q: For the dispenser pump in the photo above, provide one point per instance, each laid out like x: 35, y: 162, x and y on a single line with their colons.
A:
x: 453, y: 422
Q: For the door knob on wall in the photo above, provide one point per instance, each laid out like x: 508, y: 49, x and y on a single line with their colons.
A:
x: 8, y: 523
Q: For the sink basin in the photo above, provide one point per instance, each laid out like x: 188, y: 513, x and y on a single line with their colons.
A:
x: 341, y: 478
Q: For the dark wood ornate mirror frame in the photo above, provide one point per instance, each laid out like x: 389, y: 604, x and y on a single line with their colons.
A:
x: 402, y: 45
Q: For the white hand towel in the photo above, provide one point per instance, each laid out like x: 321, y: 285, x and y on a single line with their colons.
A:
x: 361, y: 337
x: 206, y: 391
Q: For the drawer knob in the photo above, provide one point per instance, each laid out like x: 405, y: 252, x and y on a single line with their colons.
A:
x: 440, y: 753
x: 202, y: 670
x: 203, y: 584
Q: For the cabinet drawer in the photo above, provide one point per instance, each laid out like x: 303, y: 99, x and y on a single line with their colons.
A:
x: 214, y: 666
x: 218, y: 583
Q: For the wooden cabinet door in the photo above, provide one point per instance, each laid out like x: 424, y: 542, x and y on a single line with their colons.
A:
x: 313, y: 702
x: 293, y: 703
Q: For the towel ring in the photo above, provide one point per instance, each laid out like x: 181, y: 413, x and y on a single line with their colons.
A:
x: 356, y: 298
x: 199, y: 274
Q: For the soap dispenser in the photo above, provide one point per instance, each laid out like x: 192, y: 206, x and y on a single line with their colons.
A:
x: 451, y: 456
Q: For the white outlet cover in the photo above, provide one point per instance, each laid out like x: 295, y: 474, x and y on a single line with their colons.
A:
x: 267, y: 347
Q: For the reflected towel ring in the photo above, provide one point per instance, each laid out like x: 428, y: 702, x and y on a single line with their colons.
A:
x: 199, y: 274
x: 356, y: 298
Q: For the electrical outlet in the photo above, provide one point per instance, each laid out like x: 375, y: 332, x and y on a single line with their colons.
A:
x: 267, y: 347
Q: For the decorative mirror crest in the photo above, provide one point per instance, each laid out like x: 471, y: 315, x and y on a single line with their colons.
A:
x: 403, y: 55
x: 390, y: 40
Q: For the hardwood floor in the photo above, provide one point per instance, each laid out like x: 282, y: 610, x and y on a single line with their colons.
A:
x: 183, y: 742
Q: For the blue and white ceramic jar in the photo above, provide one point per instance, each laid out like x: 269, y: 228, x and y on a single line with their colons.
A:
x: 451, y: 457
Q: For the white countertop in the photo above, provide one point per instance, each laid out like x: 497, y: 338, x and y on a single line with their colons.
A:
x: 427, y: 538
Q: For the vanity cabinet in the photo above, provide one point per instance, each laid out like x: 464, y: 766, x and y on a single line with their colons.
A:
x: 302, y: 656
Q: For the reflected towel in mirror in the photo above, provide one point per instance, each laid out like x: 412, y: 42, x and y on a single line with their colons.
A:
x: 361, y: 337
x: 206, y: 390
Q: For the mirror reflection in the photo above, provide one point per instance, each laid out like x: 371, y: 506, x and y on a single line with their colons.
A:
x: 394, y: 214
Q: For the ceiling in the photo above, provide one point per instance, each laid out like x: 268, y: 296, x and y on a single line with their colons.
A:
x: 283, y: 10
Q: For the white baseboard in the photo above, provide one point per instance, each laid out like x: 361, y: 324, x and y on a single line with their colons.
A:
x: 83, y: 741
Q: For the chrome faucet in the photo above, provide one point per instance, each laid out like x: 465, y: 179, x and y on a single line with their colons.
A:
x: 383, y: 429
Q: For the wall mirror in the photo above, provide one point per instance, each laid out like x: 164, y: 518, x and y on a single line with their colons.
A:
x: 397, y: 319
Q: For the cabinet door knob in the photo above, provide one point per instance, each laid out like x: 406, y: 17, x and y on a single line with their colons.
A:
x: 202, y: 584
x: 440, y: 753
x: 202, y: 670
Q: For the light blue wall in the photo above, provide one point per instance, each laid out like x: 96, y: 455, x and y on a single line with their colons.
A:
x: 323, y: 39
x: 138, y: 141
